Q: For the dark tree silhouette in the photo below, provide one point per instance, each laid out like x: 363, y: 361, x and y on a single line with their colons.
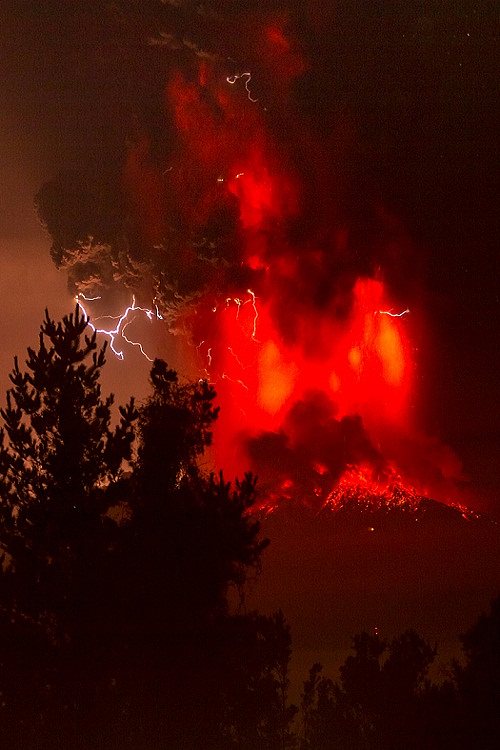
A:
x: 190, y: 537
x: 257, y: 712
x: 384, y: 700
x: 192, y: 533
x: 61, y: 470
x: 377, y: 703
x: 478, y: 682
x: 115, y: 628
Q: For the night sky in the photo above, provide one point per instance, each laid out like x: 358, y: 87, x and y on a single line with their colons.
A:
x: 404, y: 93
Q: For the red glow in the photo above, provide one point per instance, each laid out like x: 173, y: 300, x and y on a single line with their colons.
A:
x: 262, y: 195
x: 279, y: 47
x: 296, y: 326
x: 277, y: 37
x: 362, y: 365
x: 360, y: 484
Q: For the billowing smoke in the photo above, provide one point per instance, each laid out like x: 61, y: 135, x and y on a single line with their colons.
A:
x: 235, y: 197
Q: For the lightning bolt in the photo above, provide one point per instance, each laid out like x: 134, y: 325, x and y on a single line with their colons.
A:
x: 122, y: 324
x: 393, y: 314
x: 224, y: 376
x: 248, y: 76
x: 239, y: 304
x: 237, y: 301
x: 256, y: 312
x: 209, y: 348
x: 235, y: 356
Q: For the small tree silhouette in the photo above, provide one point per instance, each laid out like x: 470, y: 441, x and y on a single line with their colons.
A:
x: 478, y: 681
x: 378, y: 701
x: 256, y: 682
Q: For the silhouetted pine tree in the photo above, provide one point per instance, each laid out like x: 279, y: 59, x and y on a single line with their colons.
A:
x: 117, y: 631
x: 61, y: 471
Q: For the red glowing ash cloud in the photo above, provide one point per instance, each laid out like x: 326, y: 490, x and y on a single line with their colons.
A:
x: 288, y: 312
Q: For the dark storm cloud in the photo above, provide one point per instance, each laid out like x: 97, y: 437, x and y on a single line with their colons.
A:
x: 129, y: 54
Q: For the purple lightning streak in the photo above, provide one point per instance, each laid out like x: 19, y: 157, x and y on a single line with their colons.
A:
x: 122, y: 324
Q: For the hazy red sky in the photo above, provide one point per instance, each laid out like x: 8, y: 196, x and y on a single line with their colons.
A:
x: 29, y: 281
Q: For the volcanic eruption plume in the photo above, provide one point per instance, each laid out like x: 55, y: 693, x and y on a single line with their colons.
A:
x: 233, y: 212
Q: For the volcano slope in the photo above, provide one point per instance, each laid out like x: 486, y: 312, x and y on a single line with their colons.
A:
x: 379, y: 566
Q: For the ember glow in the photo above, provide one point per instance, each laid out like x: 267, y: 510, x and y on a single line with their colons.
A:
x: 359, y: 484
